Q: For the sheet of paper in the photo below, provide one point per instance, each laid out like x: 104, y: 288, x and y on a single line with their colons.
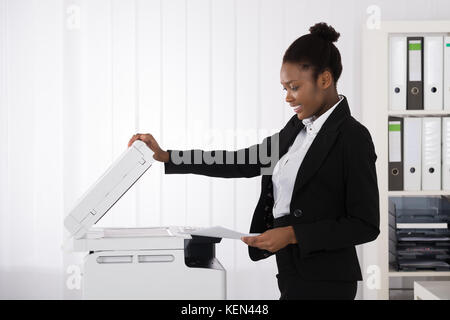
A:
x: 220, y: 232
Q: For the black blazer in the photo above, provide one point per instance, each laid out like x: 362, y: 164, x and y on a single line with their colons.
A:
x: 335, y: 201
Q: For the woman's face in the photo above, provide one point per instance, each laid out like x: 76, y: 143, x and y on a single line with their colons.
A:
x: 303, y: 94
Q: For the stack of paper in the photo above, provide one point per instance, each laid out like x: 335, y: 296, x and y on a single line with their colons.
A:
x: 219, y: 232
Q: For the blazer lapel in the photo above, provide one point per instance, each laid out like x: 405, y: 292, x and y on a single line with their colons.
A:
x: 285, y: 140
x: 291, y: 134
x: 321, y: 145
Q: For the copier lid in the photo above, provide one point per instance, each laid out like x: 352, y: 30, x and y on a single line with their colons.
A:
x: 109, y: 188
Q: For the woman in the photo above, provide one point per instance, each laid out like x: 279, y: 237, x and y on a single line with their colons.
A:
x: 321, y: 198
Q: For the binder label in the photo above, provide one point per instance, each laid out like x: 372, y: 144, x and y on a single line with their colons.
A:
x: 395, y: 141
x: 415, y: 45
x: 415, y: 60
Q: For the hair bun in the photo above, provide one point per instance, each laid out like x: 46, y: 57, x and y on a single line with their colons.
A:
x: 324, y: 31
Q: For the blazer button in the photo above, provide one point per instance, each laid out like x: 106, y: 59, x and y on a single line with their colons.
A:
x: 298, y: 213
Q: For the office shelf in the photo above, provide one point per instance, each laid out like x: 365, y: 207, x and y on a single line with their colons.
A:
x: 418, y: 193
x: 395, y: 273
x: 421, y: 113
x: 375, y: 113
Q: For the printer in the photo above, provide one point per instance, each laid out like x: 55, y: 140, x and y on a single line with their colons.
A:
x: 139, y: 263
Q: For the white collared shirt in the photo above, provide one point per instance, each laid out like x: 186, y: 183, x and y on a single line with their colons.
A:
x: 285, y: 171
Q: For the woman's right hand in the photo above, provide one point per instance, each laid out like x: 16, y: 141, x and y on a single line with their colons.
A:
x: 159, y: 154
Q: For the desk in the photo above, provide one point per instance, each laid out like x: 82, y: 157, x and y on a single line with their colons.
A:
x: 431, y: 290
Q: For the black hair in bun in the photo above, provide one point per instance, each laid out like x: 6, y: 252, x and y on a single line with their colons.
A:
x: 316, y: 51
x: 324, y: 31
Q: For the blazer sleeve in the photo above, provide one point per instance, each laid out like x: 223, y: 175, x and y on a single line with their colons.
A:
x: 242, y: 163
x: 362, y: 219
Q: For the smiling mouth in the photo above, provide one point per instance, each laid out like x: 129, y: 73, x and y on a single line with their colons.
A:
x: 297, y: 108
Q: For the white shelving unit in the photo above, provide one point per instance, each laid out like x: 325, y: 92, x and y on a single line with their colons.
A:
x: 418, y: 113
x: 395, y: 273
x: 417, y: 193
x: 375, y: 113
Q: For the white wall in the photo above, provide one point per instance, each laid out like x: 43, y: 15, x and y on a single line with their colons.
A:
x: 31, y: 194
x: 75, y: 85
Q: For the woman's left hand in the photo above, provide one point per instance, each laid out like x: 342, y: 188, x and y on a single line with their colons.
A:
x: 273, y: 239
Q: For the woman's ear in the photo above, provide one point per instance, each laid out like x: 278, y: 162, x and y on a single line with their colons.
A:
x: 325, y: 79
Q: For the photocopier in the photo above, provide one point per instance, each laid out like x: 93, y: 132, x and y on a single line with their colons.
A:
x: 139, y: 263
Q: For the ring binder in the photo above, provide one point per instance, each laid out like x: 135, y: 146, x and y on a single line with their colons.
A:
x: 415, y: 73
x: 433, y: 68
x: 395, y: 153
